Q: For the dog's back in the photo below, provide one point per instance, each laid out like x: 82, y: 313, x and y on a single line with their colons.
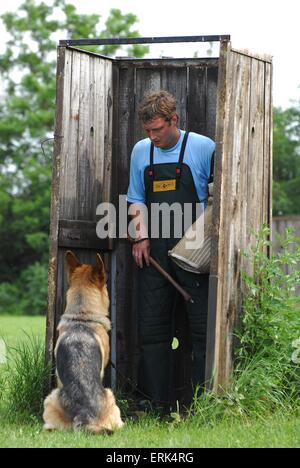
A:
x: 79, y: 363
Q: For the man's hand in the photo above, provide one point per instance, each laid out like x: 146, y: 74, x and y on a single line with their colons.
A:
x: 141, y: 250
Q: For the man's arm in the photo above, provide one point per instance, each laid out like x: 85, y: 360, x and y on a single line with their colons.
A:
x: 138, y: 233
x: 138, y: 226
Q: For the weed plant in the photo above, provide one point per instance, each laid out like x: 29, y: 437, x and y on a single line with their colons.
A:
x: 25, y: 376
x: 266, y: 378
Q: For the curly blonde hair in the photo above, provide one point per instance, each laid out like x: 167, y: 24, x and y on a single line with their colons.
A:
x: 158, y: 104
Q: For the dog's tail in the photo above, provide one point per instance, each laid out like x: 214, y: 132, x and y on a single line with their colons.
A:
x: 109, y: 419
x: 100, y: 415
x: 84, y: 410
x: 82, y: 419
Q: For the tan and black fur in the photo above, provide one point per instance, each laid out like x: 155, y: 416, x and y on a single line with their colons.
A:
x: 82, y: 353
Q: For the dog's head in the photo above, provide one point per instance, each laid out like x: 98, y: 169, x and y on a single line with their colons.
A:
x: 84, y: 276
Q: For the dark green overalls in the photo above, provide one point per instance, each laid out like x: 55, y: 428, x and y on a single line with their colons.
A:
x: 156, y: 295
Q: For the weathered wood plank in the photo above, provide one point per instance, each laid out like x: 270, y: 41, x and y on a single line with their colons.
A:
x: 125, y: 130
x: 224, y: 246
x: 242, y: 201
x: 61, y: 288
x: 235, y: 207
x: 262, y: 57
x: 78, y: 234
x: 71, y: 98
x: 196, y: 100
x: 167, y: 62
x: 85, y: 181
x: 268, y: 150
x: 243, y: 134
x: 256, y: 149
x: 211, y: 101
x: 108, y: 135
x: 85, y: 158
x: 212, y: 345
x: 146, y: 80
x: 99, y: 128
x: 175, y: 82
x: 62, y: 82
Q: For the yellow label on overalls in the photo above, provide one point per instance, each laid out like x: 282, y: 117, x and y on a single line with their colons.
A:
x: 164, y: 185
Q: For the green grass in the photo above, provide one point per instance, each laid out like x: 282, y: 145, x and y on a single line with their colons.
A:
x: 12, y: 328
x: 16, y: 377
x: 277, y: 430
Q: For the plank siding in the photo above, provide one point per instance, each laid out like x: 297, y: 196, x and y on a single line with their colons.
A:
x: 242, y: 201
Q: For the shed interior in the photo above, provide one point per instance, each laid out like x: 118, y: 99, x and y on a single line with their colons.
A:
x: 193, y: 82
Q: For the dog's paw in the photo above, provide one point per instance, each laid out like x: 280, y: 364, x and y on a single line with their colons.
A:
x: 49, y: 427
x: 120, y: 424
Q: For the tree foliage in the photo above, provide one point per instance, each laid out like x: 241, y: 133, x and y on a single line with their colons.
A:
x: 28, y: 75
x: 286, y: 153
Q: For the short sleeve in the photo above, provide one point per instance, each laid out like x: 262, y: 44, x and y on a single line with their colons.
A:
x: 207, y: 153
x: 136, y: 189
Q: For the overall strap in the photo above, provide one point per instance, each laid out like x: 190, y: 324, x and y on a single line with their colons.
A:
x: 151, y: 168
x: 180, y: 161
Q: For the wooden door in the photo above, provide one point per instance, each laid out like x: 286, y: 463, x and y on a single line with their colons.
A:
x: 242, y: 195
x: 81, y: 168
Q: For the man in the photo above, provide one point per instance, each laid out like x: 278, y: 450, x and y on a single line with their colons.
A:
x: 170, y: 166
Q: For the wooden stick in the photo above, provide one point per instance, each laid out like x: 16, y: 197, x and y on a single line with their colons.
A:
x: 156, y: 265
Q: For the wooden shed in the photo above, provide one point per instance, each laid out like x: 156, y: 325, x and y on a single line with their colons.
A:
x: 227, y: 98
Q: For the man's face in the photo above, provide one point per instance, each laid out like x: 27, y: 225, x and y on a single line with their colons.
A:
x: 162, y: 133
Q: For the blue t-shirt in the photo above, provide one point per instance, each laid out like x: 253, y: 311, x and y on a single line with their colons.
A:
x: 197, y: 156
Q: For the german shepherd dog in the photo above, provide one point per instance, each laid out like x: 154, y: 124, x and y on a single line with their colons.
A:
x: 82, y: 353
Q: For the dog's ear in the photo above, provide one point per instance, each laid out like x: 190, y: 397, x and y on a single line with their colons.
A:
x: 99, y: 270
x: 72, y: 261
